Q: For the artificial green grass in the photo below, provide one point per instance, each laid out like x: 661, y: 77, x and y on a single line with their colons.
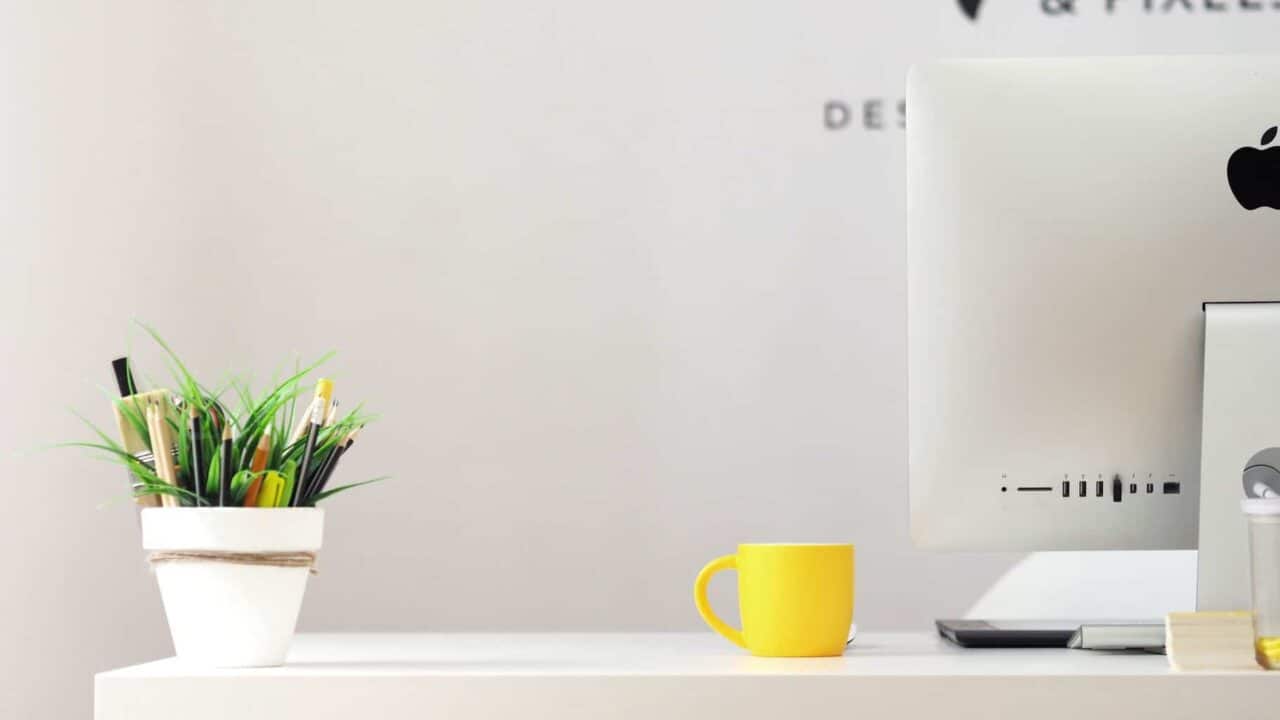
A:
x: 277, y: 409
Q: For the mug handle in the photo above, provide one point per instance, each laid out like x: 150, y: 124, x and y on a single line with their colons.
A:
x: 732, y: 634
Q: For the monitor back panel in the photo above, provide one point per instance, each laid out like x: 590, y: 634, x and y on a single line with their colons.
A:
x: 1066, y: 220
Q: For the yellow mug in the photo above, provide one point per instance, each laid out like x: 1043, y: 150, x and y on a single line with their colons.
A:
x: 795, y: 600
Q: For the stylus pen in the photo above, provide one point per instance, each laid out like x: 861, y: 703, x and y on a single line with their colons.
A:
x: 198, y: 467
x: 225, y: 471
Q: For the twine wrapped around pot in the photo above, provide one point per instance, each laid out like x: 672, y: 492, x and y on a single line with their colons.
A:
x: 269, y: 559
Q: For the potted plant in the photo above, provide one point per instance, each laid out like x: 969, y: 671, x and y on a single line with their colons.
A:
x: 229, y: 493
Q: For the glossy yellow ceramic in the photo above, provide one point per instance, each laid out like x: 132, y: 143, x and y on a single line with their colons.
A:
x: 795, y: 600
x: 1269, y: 652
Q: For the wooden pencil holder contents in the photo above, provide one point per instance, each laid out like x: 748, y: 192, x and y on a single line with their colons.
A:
x: 232, y: 579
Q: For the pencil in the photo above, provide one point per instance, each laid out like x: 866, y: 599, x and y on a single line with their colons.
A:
x: 257, y: 466
x: 166, y: 445
x: 327, y: 470
x: 153, y: 440
x: 225, y: 471
x: 311, y: 482
x: 215, y: 418
x: 303, y: 422
x: 161, y: 451
x: 319, y: 409
x: 198, y: 467
x: 308, y: 483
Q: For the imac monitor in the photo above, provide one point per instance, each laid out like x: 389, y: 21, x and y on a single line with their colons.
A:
x: 1067, y: 220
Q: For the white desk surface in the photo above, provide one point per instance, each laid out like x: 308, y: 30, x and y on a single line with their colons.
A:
x: 462, y: 676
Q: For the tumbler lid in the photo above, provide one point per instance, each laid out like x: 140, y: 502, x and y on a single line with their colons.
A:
x: 1261, y: 506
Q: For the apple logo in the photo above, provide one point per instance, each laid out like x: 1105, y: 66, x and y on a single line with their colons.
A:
x: 970, y: 8
x: 1254, y: 174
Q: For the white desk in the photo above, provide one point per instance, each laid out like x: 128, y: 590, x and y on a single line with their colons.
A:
x: 595, y: 676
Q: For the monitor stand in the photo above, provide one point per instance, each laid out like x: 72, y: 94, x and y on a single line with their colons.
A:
x: 1239, y: 456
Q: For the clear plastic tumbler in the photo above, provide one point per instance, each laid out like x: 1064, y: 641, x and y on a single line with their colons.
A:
x: 1264, y: 553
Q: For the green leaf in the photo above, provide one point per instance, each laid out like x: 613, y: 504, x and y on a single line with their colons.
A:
x: 188, y: 383
x: 334, y: 491
x: 213, y: 480
x: 240, y: 483
x: 289, y: 473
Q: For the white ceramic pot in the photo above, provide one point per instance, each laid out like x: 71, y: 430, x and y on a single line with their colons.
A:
x: 229, y: 614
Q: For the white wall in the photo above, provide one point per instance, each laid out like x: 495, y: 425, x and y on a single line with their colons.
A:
x: 620, y: 298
